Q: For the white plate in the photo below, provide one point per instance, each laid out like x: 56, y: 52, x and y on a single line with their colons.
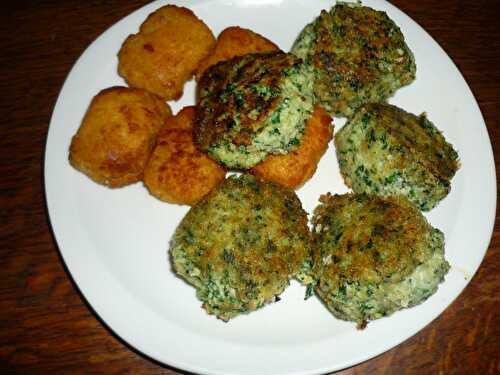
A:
x: 115, y: 242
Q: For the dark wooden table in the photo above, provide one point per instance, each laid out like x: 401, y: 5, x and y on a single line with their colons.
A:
x: 45, y: 325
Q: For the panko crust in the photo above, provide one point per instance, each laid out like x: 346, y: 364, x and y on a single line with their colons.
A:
x: 117, y: 135
x: 166, y: 51
x: 235, y: 41
x: 177, y: 171
x: 298, y: 166
x: 243, y: 257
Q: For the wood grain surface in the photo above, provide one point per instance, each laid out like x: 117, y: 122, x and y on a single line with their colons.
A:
x: 45, y: 325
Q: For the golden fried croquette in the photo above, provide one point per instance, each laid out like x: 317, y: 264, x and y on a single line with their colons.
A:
x: 177, y: 171
x: 166, y: 52
x: 235, y: 41
x: 295, y: 168
x: 117, y: 135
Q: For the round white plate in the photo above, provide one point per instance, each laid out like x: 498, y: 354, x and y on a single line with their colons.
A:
x: 115, y: 242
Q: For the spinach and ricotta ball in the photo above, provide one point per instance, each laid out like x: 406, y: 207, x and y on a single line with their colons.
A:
x: 359, y: 55
x: 251, y: 106
x: 385, y: 150
x: 240, y: 245
x: 374, y: 255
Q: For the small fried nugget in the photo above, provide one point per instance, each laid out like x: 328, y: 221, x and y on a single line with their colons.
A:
x: 166, y: 52
x: 117, y: 135
x: 177, y: 171
x: 295, y: 168
x: 235, y: 41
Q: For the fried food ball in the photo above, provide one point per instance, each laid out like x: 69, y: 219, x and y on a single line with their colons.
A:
x: 166, y: 52
x: 241, y: 245
x: 359, y: 55
x: 385, y: 150
x: 177, y: 171
x: 251, y: 106
x: 295, y: 168
x: 374, y: 255
x: 117, y: 135
x: 235, y: 41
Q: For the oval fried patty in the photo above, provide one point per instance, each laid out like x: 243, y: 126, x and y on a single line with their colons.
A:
x: 177, y: 171
x: 165, y: 53
x: 117, y: 135
x: 251, y: 106
x: 385, y: 150
x: 359, y: 55
x: 241, y: 245
x: 373, y: 256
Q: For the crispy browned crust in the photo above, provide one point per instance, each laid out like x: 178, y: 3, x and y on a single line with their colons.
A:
x: 385, y: 150
x: 246, y: 239
x: 359, y: 54
x: 374, y: 239
x: 117, y: 135
x: 229, y: 90
x: 235, y: 41
x: 295, y: 168
x: 417, y: 136
x: 166, y: 52
x: 177, y: 171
